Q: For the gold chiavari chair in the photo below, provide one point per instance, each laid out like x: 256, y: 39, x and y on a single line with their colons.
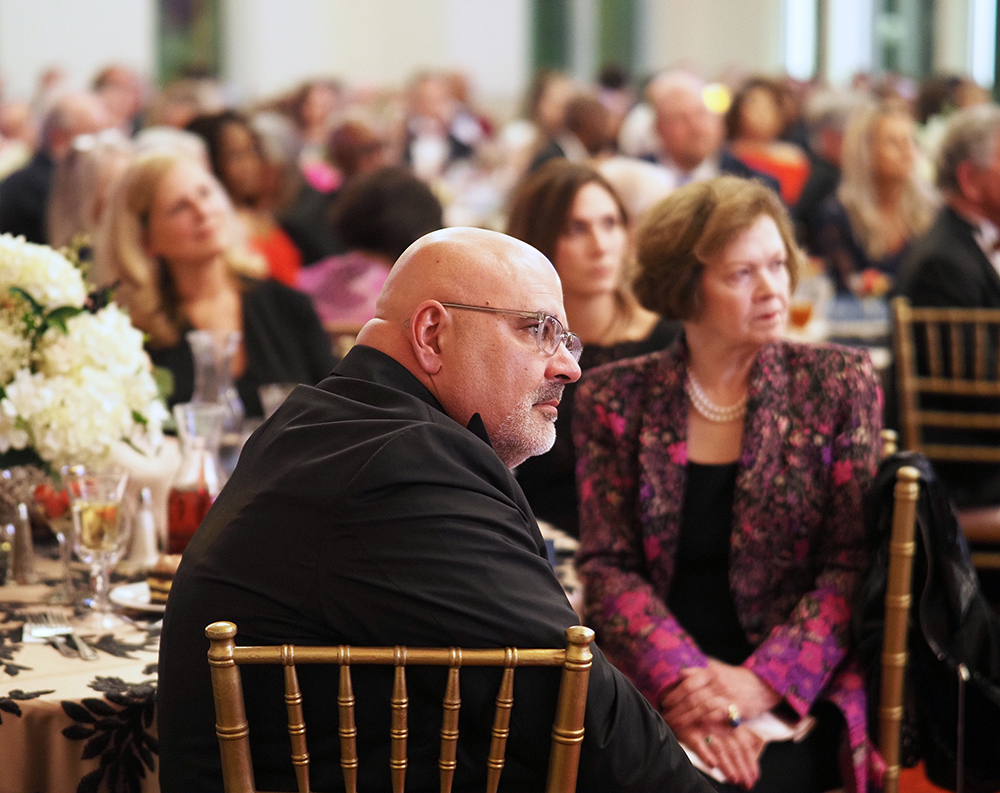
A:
x: 225, y: 657
x: 897, y: 610
x: 958, y: 350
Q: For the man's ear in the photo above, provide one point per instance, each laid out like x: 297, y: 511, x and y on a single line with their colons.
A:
x: 427, y: 323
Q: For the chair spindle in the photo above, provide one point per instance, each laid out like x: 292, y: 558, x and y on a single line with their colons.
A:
x: 296, y: 719
x: 348, y: 729
x: 399, y: 731
x: 501, y: 723
x: 449, y: 723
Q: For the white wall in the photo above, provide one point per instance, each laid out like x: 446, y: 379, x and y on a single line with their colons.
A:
x: 80, y: 36
x: 271, y: 45
x: 715, y: 37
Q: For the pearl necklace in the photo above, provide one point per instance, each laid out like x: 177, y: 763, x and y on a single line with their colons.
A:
x: 707, y: 408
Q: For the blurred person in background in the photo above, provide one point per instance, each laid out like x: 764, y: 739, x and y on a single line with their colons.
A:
x: 183, y: 99
x: 24, y: 194
x: 376, y: 215
x: 18, y: 136
x: 825, y: 114
x: 124, y: 96
x: 571, y: 213
x: 239, y: 161
x: 81, y: 187
x: 755, y: 123
x: 586, y: 133
x: 543, y: 118
x: 437, y: 133
x: 882, y: 202
x: 170, y: 240
x: 955, y: 263
x: 690, y: 134
x: 616, y: 94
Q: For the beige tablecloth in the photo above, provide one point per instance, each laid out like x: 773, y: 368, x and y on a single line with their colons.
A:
x: 72, y: 725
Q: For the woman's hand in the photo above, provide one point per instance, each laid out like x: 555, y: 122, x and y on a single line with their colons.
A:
x: 705, y: 695
x: 735, y: 752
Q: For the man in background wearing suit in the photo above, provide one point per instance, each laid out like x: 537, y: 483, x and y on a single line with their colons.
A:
x: 956, y: 264
x: 691, y: 134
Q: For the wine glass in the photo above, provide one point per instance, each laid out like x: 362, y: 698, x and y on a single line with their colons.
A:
x: 100, y: 535
x: 53, y: 505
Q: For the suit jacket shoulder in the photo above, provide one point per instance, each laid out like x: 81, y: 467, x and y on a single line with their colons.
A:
x: 946, y: 267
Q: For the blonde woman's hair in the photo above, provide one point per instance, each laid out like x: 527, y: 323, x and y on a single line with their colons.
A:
x: 857, y: 183
x: 143, y: 284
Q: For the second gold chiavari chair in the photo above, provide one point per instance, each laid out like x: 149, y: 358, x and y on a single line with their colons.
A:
x: 897, y: 611
x: 951, y: 353
x: 225, y: 657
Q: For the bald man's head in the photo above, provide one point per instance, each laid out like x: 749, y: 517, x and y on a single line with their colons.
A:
x: 474, y: 361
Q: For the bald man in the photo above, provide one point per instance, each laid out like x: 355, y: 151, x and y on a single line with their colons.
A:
x: 24, y: 194
x: 378, y: 508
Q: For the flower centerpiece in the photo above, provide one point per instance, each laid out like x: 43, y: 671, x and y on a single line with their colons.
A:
x: 74, y: 378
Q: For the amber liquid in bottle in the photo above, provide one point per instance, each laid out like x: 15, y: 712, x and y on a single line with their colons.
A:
x: 186, y: 509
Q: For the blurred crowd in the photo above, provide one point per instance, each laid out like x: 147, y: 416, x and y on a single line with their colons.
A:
x: 853, y: 165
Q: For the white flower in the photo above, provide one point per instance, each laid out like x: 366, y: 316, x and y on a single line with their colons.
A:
x: 78, y: 390
x: 48, y: 276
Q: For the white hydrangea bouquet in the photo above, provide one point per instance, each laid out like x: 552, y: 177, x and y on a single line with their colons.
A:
x: 73, y: 382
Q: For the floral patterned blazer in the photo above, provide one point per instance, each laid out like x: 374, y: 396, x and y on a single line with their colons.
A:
x: 810, y: 447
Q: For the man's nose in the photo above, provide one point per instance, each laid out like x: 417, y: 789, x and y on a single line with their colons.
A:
x: 563, y: 366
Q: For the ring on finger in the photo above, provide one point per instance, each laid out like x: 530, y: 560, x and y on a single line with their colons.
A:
x: 735, y: 717
x: 708, y: 740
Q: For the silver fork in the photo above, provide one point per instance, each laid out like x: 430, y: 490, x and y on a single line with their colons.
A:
x: 57, y: 625
x: 37, y: 630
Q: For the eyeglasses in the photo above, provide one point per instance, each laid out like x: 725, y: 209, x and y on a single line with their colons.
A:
x: 549, y: 332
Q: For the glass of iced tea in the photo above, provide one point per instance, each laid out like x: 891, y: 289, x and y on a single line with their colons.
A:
x: 100, y: 532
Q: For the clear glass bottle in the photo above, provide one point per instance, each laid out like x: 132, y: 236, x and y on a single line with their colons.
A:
x: 200, y: 476
x: 213, y: 353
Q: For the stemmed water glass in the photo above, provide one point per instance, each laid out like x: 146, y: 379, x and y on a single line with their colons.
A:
x: 53, y: 504
x: 100, y: 535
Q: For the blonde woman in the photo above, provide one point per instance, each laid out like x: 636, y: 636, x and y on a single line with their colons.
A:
x: 881, y: 204
x: 168, y: 243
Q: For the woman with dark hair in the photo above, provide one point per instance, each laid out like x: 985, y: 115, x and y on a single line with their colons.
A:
x: 239, y: 161
x: 755, y: 123
x: 376, y: 216
x: 573, y: 215
x: 721, y: 485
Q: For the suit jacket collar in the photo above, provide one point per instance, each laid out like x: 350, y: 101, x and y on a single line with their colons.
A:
x: 367, y: 363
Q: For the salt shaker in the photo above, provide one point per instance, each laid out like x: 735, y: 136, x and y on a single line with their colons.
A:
x: 22, y: 552
x: 145, y: 547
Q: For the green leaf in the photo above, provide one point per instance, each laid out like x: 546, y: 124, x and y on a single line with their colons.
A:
x: 57, y: 317
x: 36, y: 307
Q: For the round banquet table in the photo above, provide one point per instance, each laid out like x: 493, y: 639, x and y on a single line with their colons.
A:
x: 67, y: 724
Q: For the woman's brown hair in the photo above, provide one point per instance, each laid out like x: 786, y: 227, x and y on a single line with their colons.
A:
x: 693, y: 224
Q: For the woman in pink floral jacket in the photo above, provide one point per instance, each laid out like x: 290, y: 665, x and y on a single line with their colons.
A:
x: 721, y: 486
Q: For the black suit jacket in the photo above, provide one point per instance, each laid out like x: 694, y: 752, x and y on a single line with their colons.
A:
x: 24, y: 198
x: 360, y: 513
x: 946, y: 267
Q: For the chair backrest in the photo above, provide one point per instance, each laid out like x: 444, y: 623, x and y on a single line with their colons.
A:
x: 950, y: 353
x: 224, y: 658
x: 897, y: 611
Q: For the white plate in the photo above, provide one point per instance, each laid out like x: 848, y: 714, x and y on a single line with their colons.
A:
x: 134, y: 596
